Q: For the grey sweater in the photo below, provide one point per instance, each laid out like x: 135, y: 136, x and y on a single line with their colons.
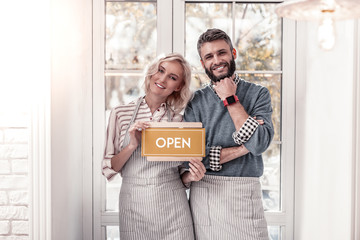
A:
x: 207, y: 107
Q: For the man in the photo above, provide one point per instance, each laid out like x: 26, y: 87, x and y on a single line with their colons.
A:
x: 227, y: 202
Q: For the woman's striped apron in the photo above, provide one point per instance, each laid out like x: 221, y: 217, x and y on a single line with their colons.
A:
x: 152, y: 202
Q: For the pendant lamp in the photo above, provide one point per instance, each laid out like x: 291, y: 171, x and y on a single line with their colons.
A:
x: 326, y: 12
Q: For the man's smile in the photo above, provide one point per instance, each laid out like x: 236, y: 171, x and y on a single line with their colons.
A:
x: 219, y: 67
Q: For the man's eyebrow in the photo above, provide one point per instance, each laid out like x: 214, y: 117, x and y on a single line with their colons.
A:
x: 218, y: 51
x: 208, y: 55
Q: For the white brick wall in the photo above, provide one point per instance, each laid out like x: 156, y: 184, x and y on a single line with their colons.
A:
x: 14, y: 176
x: 3, y: 198
x: 4, y: 166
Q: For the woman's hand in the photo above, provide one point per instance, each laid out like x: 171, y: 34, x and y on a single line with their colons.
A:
x: 196, y: 171
x: 119, y: 160
x: 135, y: 133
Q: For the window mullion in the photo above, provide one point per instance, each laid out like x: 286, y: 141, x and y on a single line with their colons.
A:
x: 179, y: 26
x: 98, y: 116
x: 164, y: 26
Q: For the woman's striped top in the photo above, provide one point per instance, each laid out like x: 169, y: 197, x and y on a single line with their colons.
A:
x: 119, y: 120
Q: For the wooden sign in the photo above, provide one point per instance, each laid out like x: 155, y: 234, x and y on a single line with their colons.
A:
x: 173, y: 141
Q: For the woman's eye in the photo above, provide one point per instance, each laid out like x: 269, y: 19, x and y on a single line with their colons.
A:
x: 173, y: 78
x: 160, y: 70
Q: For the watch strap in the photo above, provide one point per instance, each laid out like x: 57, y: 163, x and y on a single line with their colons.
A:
x: 230, y: 100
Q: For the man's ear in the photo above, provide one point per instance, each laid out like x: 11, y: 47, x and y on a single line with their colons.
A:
x: 234, y: 53
x: 202, y: 63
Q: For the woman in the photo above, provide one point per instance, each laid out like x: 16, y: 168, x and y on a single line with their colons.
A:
x: 152, y: 201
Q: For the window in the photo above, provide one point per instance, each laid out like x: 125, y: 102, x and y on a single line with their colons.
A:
x: 130, y: 44
x: 136, y: 31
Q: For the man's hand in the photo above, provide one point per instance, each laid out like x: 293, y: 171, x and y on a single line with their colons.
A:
x: 225, y: 87
x: 260, y: 121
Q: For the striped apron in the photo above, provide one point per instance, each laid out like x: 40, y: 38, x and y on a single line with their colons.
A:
x: 228, y: 208
x: 152, y: 201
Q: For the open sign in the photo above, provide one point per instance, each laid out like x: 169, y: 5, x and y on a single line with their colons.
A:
x: 173, y: 140
x: 169, y: 142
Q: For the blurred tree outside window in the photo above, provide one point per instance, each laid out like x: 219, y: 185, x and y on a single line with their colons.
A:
x: 130, y: 45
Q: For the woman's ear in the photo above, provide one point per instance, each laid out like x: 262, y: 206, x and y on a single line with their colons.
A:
x: 179, y: 88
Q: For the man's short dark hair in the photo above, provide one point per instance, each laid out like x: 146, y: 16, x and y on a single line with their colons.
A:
x: 212, y: 35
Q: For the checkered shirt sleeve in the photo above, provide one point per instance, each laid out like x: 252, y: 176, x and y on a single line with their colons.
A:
x: 246, y: 131
x: 214, y: 158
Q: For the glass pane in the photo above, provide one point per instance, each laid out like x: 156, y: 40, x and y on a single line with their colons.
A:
x: 257, y: 37
x: 112, y: 233
x: 112, y: 194
x: 273, y: 83
x: 130, y: 41
x: 199, y: 17
x: 270, y: 180
x: 274, y: 232
x: 122, y: 89
x: 199, y: 80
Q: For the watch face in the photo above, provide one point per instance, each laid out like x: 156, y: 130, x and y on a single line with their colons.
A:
x: 230, y: 100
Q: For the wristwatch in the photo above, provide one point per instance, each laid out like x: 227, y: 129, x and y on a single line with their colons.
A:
x: 230, y: 100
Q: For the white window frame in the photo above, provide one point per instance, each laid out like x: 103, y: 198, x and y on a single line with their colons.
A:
x: 356, y: 160
x: 171, y: 27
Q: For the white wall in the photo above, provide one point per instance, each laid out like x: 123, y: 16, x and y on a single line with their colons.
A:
x: 324, y: 135
x: 24, y: 61
x: 71, y: 119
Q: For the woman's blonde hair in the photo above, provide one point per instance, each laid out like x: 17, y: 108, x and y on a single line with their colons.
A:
x: 178, y: 100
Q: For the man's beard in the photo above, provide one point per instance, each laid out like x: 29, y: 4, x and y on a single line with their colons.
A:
x: 231, y: 70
